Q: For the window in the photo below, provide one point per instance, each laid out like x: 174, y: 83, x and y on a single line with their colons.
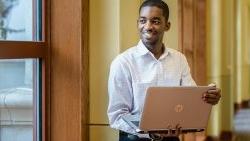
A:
x: 22, y: 63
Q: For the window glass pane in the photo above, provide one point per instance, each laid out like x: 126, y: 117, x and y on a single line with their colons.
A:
x: 17, y: 20
x: 18, y: 92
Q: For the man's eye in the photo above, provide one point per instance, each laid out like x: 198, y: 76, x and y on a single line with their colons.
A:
x: 142, y: 21
x: 156, y: 22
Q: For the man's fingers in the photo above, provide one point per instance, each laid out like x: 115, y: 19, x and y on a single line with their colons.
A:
x: 213, y: 91
x: 211, y: 100
x: 212, y: 85
x: 217, y: 91
x: 210, y: 96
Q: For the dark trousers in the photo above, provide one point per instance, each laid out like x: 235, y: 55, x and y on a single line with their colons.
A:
x: 129, y: 137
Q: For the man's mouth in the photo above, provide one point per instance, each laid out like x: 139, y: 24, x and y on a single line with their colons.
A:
x: 148, y: 35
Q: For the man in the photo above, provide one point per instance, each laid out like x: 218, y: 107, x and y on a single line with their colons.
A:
x: 149, y: 63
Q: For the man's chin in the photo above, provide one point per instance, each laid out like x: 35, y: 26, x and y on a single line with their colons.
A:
x: 148, y: 43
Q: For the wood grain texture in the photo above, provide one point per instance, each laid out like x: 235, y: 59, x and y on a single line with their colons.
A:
x: 192, y: 36
x: 22, y: 49
x: 46, y: 73
x: 85, y: 71
x: 69, y: 70
x: 200, y: 70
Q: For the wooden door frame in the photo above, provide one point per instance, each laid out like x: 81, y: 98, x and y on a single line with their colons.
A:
x: 67, y: 85
x: 192, y: 36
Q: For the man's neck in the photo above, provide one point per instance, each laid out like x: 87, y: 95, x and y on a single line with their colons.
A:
x: 157, y: 50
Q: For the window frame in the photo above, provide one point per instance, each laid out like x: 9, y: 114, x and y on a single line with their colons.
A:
x: 40, y: 50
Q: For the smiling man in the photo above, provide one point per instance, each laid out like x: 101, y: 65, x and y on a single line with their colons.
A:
x: 152, y: 24
x: 149, y: 63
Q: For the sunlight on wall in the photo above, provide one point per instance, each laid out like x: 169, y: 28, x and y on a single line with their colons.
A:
x: 242, y: 73
x: 171, y: 37
x: 213, y: 57
x: 248, y: 35
x: 104, y: 46
x: 227, y: 55
x: 128, y: 23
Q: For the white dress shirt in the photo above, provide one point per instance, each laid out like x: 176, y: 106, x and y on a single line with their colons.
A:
x: 136, y: 69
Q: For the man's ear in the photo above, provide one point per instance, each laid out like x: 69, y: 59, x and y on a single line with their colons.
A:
x: 167, y: 27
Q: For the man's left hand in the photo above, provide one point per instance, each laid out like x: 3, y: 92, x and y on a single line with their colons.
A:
x: 212, y: 96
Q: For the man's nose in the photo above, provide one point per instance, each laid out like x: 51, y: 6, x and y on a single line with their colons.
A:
x: 148, y: 25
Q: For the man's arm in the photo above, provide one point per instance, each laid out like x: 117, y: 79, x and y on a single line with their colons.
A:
x: 120, y: 96
x: 212, y: 96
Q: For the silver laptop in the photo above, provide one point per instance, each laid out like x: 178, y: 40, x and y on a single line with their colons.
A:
x: 165, y: 107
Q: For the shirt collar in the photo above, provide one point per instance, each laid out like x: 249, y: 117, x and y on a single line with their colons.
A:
x: 142, y: 50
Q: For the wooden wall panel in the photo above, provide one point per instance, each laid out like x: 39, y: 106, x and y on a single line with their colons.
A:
x: 69, y: 70
x: 192, y: 39
x: 200, y: 70
x: 192, y: 42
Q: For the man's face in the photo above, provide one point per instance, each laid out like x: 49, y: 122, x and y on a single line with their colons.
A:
x: 151, y: 26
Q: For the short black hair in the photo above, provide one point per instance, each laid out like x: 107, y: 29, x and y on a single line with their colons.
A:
x: 158, y: 3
